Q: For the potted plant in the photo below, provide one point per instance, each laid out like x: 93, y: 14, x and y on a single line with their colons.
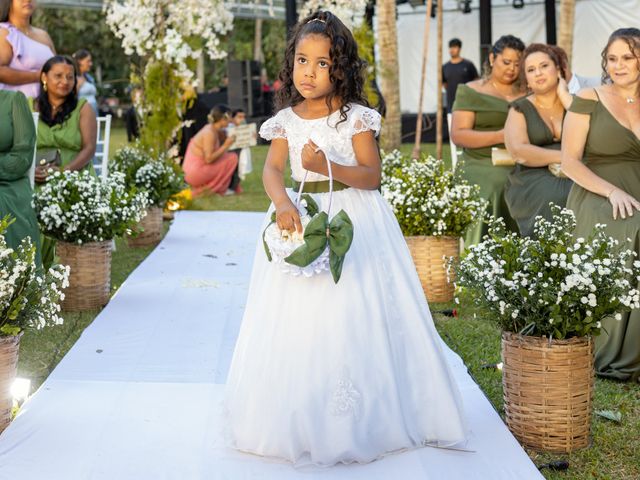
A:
x: 84, y: 214
x: 160, y: 177
x: 549, y: 294
x: 434, y: 206
x: 29, y: 299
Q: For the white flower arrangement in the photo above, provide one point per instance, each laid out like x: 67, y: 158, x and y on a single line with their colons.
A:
x: 351, y: 12
x: 165, y: 30
x: 428, y: 198
x: 29, y: 298
x: 78, y: 207
x: 553, y: 285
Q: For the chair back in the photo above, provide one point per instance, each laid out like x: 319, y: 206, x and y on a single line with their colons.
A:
x: 101, y: 164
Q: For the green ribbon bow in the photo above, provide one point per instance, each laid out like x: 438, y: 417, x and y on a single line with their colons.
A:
x: 320, y: 232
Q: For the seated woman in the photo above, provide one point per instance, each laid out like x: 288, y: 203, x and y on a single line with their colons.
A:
x: 532, y: 136
x: 17, y: 140
x: 208, y: 165
x: 67, y: 125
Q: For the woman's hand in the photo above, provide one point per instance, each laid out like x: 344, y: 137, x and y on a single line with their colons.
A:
x: 229, y: 141
x: 287, y: 217
x: 313, y: 159
x: 622, y: 203
x: 42, y: 172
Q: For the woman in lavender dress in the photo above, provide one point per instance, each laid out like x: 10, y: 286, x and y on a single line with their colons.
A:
x: 23, y: 48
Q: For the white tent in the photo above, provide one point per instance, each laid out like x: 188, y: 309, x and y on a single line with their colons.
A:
x: 594, y: 21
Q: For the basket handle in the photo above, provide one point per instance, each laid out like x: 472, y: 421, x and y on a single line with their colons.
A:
x: 299, y: 197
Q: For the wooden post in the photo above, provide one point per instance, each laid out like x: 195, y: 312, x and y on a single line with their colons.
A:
x: 425, y: 54
x: 567, y: 18
x: 439, y: 89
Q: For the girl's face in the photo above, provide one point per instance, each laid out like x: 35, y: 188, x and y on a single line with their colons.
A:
x: 622, y: 65
x: 85, y: 64
x: 506, y: 66
x: 541, y: 73
x: 311, y: 67
x: 60, y: 80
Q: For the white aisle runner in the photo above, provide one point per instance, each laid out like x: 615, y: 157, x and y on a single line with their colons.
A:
x: 138, y: 396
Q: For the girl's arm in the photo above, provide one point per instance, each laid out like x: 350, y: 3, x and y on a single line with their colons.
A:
x: 211, y: 148
x: 520, y: 147
x: 574, y: 139
x: 287, y: 216
x: 365, y: 176
x: 88, y: 129
x: 463, y: 134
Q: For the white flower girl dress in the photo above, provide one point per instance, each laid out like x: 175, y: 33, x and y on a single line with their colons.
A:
x: 325, y: 373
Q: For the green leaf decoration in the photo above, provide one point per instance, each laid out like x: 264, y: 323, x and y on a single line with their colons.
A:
x: 312, y: 206
x: 610, y: 415
x: 315, y: 242
x: 264, y: 241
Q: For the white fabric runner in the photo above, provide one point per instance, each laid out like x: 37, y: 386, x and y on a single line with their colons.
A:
x: 138, y: 396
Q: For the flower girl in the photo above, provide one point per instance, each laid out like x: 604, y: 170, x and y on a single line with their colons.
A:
x: 329, y: 371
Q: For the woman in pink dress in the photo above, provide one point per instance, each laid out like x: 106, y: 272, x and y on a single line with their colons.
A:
x: 208, y: 165
x: 23, y: 48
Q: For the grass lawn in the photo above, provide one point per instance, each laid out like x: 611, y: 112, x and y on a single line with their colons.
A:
x: 614, y: 454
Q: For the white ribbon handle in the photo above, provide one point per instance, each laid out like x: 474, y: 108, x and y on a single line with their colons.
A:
x: 298, y: 199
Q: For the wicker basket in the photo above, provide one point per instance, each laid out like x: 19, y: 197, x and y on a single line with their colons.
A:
x: 150, y: 228
x: 547, y: 389
x: 8, y: 362
x: 90, y: 276
x: 428, y: 253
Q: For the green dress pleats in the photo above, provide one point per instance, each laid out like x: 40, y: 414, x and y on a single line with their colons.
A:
x: 529, y: 190
x: 490, y: 115
x: 613, y: 153
x: 17, y: 141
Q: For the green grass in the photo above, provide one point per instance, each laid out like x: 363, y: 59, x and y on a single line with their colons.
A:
x: 614, y: 455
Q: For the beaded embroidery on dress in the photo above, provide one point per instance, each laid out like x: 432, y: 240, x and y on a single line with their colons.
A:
x: 327, y: 373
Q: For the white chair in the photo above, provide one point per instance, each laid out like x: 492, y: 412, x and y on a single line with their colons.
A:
x: 32, y: 170
x: 454, y: 149
x: 102, y: 146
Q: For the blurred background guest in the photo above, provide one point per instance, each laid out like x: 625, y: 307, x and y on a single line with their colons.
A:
x: 17, y: 141
x: 23, y: 48
x: 532, y: 135
x: 479, y: 115
x: 208, y: 165
x: 86, y: 83
x: 67, y: 124
x: 456, y: 71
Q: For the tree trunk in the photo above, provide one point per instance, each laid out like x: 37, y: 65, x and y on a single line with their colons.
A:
x: 423, y: 79
x: 565, y: 37
x: 439, y: 88
x: 389, y: 73
x: 258, y: 54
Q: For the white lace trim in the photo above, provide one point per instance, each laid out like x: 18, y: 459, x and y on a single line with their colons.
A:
x: 273, y: 128
x: 366, y: 119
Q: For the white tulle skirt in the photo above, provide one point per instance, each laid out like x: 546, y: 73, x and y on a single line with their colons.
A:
x: 325, y: 373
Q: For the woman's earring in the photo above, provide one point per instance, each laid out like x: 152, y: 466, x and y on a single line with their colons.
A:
x: 44, y: 85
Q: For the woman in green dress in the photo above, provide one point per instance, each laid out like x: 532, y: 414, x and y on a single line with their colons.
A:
x: 601, y: 153
x: 479, y: 113
x: 17, y: 141
x: 532, y: 136
x: 67, y: 124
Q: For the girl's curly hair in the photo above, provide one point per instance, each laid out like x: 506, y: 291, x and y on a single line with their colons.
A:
x: 347, y: 71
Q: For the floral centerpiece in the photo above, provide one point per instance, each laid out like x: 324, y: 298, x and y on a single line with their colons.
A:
x: 160, y: 177
x: 549, y: 295
x: 434, y: 206
x: 29, y: 299
x: 84, y: 214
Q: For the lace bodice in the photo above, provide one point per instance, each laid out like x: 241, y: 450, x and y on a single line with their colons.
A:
x: 334, y: 139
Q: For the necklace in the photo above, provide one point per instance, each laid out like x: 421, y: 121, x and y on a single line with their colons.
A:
x: 506, y: 95
x: 629, y: 99
x: 543, y: 107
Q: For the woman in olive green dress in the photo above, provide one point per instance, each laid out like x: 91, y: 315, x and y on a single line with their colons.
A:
x: 532, y: 136
x: 601, y: 153
x: 479, y: 114
x: 17, y: 141
x: 67, y: 125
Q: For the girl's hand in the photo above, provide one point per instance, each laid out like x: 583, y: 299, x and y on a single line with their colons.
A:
x: 288, y: 218
x: 313, y: 158
x: 622, y: 203
x: 229, y: 141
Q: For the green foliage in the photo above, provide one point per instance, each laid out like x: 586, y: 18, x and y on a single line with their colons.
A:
x: 554, y: 284
x: 366, y: 42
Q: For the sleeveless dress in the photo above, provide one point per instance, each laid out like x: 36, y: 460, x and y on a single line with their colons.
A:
x: 491, y: 115
x: 529, y: 190
x: 89, y: 92
x: 612, y: 152
x: 17, y: 140
x: 28, y: 56
x: 327, y: 373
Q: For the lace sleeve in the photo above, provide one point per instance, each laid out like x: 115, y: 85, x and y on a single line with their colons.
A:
x: 273, y: 128
x: 365, y: 119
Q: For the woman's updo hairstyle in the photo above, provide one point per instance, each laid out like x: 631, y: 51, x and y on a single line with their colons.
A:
x: 505, y: 41
x: 218, y: 112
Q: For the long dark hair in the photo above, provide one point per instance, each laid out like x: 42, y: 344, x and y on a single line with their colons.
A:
x: 631, y: 36
x: 347, y: 68
x: 70, y: 103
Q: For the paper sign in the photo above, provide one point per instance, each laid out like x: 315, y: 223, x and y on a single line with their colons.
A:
x: 246, y: 136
